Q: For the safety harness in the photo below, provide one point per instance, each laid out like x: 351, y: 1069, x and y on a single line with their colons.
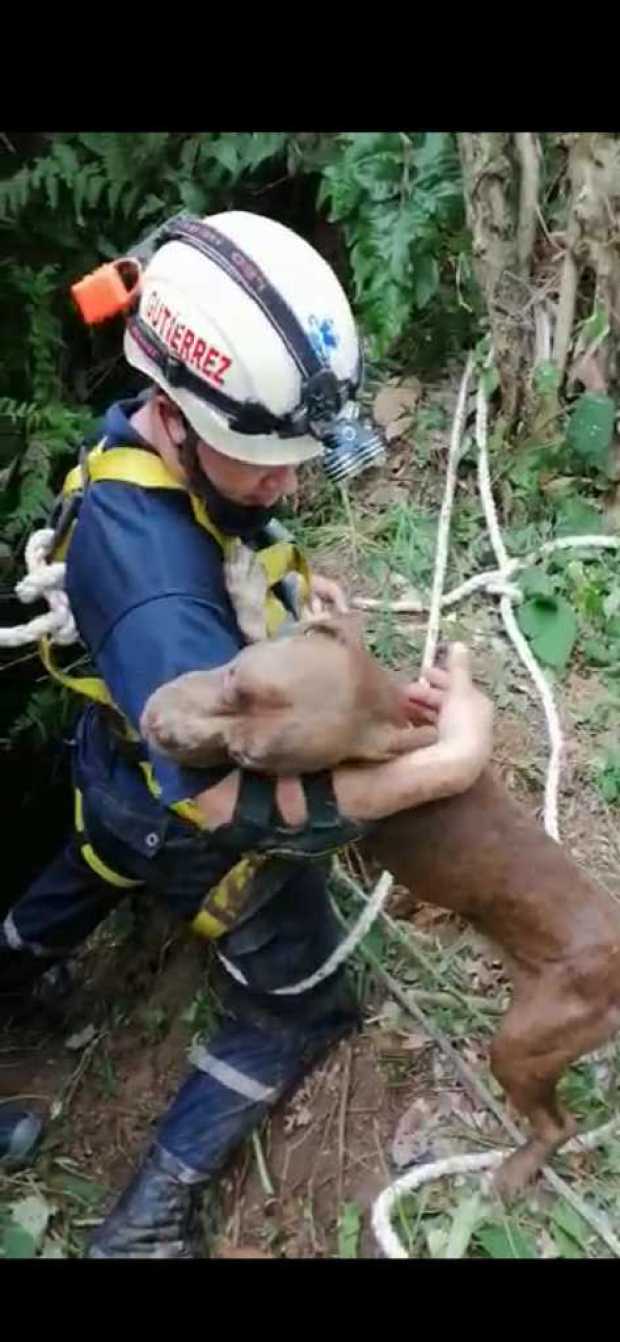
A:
x: 280, y: 559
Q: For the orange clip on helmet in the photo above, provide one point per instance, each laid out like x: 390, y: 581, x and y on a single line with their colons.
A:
x: 108, y: 290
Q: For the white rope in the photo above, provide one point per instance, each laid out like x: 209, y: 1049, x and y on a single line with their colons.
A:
x: 522, y: 648
x: 383, y: 1208
x: 343, y: 950
x: 491, y: 580
x: 445, y: 517
x: 42, y: 580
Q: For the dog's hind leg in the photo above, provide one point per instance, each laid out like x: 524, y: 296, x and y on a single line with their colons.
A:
x: 545, y: 1030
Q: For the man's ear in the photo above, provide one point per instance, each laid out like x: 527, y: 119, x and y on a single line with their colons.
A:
x: 171, y: 418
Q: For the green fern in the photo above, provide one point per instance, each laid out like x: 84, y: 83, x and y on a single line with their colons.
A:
x: 398, y: 197
x: 48, y: 714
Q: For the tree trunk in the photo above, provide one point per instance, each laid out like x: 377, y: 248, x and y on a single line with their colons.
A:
x: 488, y: 180
x: 538, y: 287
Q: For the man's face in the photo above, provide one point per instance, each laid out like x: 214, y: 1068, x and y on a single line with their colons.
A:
x: 252, y: 486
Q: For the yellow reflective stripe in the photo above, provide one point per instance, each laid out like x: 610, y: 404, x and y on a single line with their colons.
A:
x: 275, y: 614
x: 205, y: 925
x: 278, y: 559
x: 134, y: 466
x: 188, y: 809
x: 73, y: 481
x: 105, y: 872
x: 202, y: 517
x: 88, y: 853
x: 92, y: 686
x: 149, y: 776
x: 60, y: 552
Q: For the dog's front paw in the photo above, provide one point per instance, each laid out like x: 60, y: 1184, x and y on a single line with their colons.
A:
x: 247, y: 586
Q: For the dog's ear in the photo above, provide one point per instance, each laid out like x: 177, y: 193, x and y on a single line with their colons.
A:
x: 347, y: 629
x: 244, y: 692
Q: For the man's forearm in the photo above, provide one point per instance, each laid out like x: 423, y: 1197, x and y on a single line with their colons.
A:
x: 363, y: 792
x: 371, y: 792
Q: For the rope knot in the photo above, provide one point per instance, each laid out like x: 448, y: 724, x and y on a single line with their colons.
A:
x: 42, y: 581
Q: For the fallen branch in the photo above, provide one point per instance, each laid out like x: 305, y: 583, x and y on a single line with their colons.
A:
x: 342, y: 1118
x: 261, y: 1165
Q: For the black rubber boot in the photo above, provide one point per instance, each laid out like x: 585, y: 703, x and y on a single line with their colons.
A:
x: 20, y: 1131
x: 156, y: 1216
x: 48, y: 995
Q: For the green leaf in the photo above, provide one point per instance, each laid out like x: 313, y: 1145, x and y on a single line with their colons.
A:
x: 192, y: 196
x: 82, y: 1190
x: 490, y: 380
x: 464, y: 1222
x: 94, y: 189
x: 426, y: 280
x: 551, y: 627
x: 225, y: 151
x: 349, y: 1230
x: 17, y: 1243
x: 505, y: 1241
x: 129, y: 200
x: 596, y: 651
x: 32, y: 1214
x: 51, y: 186
x: 565, y: 1246
x: 611, y: 604
x: 115, y: 190
x: 534, y: 582
x: 577, y: 517
x: 67, y: 158
x: 572, y: 1224
x: 152, y: 205
x: 596, y: 326
x: 591, y: 428
x: 610, y: 787
x: 436, y: 1240
x: 546, y: 378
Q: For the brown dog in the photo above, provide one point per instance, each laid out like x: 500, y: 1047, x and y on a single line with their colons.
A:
x: 317, y: 698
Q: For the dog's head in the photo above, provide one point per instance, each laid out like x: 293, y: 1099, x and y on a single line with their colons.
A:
x: 300, y: 703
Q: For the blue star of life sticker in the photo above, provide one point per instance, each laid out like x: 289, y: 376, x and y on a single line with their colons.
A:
x: 322, y: 335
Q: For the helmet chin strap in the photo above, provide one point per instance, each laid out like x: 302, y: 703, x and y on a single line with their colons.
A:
x: 234, y: 519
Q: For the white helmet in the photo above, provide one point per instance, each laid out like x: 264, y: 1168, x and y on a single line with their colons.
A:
x: 247, y: 329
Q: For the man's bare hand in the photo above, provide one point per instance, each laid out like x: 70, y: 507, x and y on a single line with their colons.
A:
x: 326, y: 595
x: 465, y: 715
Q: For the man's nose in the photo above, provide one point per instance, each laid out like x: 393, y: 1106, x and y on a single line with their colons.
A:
x: 287, y: 479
